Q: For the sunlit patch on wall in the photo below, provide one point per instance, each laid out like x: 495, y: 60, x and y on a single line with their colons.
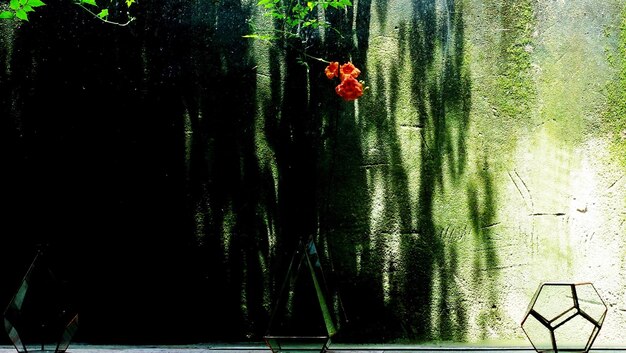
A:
x: 357, y: 258
x: 227, y: 229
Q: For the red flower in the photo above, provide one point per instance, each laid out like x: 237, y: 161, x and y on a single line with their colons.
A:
x: 349, y: 89
x: 332, y: 70
x: 347, y: 70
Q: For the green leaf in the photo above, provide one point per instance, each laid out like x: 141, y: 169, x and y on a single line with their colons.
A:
x: 268, y: 4
x: 28, y: 8
x: 21, y: 14
x: 89, y: 2
x: 310, y: 5
x: 293, y: 22
x: 23, y: 2
x: 129, y: 2
x: 6, y: 14
x: 35, y: 3
x: 14, y: 4
x: 265, y: 37
x: 104, y: 14
x: 277, y: 15
x: 340, y: 4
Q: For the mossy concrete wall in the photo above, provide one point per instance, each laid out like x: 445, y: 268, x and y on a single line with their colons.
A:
x: 173, y: 165
x: 483, y: 160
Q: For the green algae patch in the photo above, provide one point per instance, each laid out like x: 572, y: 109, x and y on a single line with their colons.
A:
x: 572, y: 70
x: 615, y: 114
x: 516, y: 92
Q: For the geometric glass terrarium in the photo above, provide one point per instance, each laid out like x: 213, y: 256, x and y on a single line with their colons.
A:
x: 40, y: 318
x: 564, y: 317
x: 289, y: 331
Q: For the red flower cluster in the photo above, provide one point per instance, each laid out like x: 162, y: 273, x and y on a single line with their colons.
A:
x: 350, y: 88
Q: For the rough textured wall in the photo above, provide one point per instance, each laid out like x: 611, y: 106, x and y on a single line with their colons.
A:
x: 172, y: 166
x: 484, y: 159
x: 489, y: 154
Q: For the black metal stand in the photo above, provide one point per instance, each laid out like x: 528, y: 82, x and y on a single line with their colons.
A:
x: 304, y: 256
x: 37, y: 315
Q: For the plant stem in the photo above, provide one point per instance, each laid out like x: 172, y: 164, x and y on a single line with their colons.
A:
x: 316, y: 58
x: 102, y: 19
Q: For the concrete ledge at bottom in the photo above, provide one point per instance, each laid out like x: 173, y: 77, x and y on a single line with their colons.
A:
x: 262, y: 348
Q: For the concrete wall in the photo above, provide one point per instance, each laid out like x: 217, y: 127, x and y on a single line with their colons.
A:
x: 173, y: 165
x: 485, y: 158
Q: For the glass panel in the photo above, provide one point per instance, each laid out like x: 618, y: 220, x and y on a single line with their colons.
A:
x: 68, y: 334
x: 590, y: 302
x: 574, y: 334
x: 554, y: 300
x: 301, y: 309
x: 538, y: 334
x: 562, y: 318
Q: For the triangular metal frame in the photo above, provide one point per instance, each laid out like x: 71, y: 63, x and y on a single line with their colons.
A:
x: 304, y: 255
x: 15, y: 306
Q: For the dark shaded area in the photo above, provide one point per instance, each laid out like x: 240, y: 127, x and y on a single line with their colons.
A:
x: 117, y: 141
x: 134, y: 153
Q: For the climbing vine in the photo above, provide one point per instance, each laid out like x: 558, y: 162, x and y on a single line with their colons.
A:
x: 19, y: 9
x: 295, y: 16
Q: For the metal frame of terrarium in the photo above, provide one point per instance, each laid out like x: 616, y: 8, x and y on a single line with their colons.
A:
x: 14, y: 310
x: 304, y: 255
x: 565, y: 316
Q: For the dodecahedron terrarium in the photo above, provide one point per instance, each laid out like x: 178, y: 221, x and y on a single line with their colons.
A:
x: 564, y: 317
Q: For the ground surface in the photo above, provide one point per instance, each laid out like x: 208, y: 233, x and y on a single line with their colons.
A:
x: 257, y: 348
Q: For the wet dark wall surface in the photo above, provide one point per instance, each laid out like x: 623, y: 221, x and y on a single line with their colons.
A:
x: 95, y: 166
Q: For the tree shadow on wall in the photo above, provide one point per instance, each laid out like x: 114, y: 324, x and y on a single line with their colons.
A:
x: 312, y: 137
x: 392, y: 262
x: 414, y: 261
x: 179, y: 202
x: 443, y: 103
x: 231, y: 194
x: 485, y: 262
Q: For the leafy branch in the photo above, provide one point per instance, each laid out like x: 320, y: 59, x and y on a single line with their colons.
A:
x: 298, y: 14
x: 19, y: 9
x: 294, y: 16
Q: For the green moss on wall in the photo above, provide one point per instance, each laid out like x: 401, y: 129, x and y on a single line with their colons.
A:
x: 615, y: 115
x: 515, y: 86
